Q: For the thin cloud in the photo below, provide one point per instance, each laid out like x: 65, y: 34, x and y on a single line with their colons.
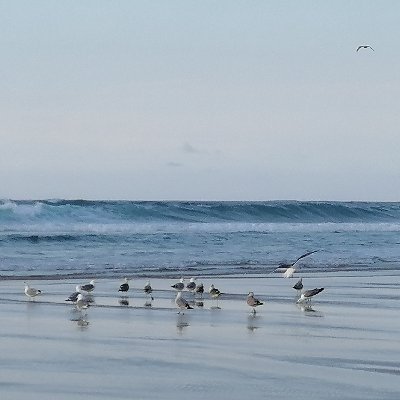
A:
x: 174, y: 164
x: 188, y: 148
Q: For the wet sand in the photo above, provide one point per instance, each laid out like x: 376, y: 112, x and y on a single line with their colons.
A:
x: 347, y: 345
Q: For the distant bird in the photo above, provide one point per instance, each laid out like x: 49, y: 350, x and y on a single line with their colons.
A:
x: 74, y: 296
x: 89, y: 287
x: 31, y: 292
x: 364, y: 47
x: 308, y: 294
x: 299, y: 284
x: 290, y: 269
x: 200, y: 289
x: 253, y: 302
x: 124, y: 287
x: 214, y: 293
x: 179, y: 285
x: 191, y: 286
x: 81, y: 303
x: 148, y: 289
x: 181, y: 303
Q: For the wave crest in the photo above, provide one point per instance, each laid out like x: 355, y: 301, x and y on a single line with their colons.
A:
x: 105, y: 212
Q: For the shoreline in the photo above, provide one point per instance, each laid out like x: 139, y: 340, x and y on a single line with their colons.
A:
x: 345, y: 345
x: 266, y: 271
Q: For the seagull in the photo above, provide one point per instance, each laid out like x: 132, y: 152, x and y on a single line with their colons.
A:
x: 214, y: 293
x: 200, y: 289
x: 89, y: 287
x: 299, y: 284
x: 182, y: 303
x: 306, y: 296
x: 31, y: 292
x: 191, y: 286
x: 148, y: 289
x: 290, y: 270
x: 81, y: 303
x: 253, y: 302
x: 179, y: 285
x: 125, y: 286
x: 74, y: 296
x: 364, y: 47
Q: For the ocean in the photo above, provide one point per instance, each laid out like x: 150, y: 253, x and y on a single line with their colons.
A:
x: 105, y: 239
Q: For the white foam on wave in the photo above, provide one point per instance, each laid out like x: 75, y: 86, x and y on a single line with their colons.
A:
x: 149, y: 228
x: 22, y: 210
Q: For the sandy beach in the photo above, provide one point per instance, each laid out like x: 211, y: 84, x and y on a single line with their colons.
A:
x: 345, y: 346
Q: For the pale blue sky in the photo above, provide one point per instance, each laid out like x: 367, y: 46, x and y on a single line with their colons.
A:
x: 200, y: 100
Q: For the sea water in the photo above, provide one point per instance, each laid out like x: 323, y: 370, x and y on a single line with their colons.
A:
x: 64, y: 238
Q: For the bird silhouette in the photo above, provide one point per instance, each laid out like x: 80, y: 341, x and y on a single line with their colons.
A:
x: 365, y: 47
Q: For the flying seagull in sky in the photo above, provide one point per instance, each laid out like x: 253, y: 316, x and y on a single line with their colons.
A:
x: 365, y: 47
x: 289, y: 268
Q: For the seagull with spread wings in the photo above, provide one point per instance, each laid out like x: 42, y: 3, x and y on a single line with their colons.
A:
x: 308, y: 294
x: 365, y: 47
x: 289, y: 269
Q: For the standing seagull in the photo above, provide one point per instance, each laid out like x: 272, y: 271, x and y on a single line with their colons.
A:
x: 306, y: 296
x: 179, y: 285
x: 125, y: 286
x: 290, y: 269
x: 200, y: 289
x: 74, y: 296
x: 182, y: 303
x: 214, y: 293
x: 148, y: 289
x: 89, y: 287
x: 31, y: 292
x: 253, y: 302
x: 299, y: 284
x: 364, y: 47
x: 191, y: 286
x: 81, y: 303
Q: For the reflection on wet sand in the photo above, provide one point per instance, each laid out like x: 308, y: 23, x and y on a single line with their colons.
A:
x: 80, y: 317
x: 253, y: 322
x: 309, y: 311
x: 124, y: 301
x: 182, y: 322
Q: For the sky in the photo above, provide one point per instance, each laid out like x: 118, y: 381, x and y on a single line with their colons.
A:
x: 200, y: 100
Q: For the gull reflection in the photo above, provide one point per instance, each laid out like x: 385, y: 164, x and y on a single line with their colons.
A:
x: 182, y: 322
x: 253, y: 322
x: 309, y: 310
x: 80, y: 318
x: 82, y: 323
x: 124, y: 301
x: 149, y: 303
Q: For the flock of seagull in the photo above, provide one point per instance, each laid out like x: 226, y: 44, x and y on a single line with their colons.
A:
x: 81, y: 300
